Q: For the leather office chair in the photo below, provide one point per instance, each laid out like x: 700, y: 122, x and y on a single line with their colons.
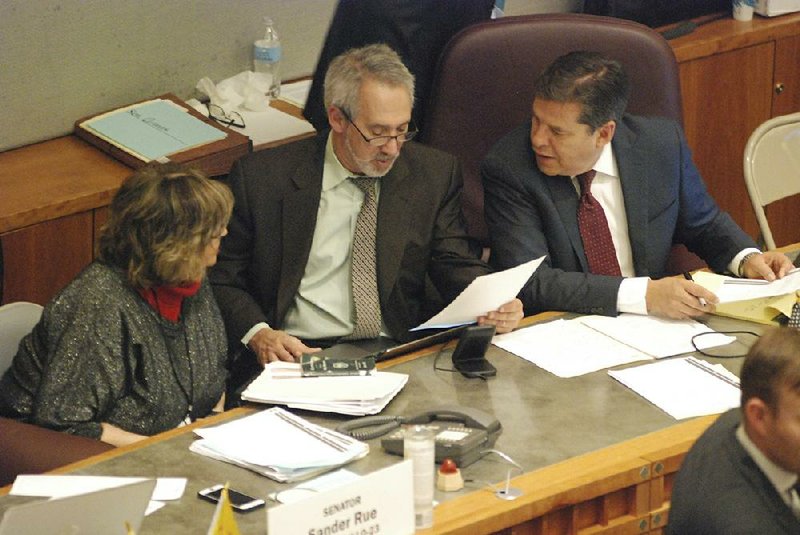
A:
x: 772, y: 166
x: 484, y: 86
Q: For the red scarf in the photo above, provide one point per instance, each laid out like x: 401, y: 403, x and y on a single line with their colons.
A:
x: 167, y: 300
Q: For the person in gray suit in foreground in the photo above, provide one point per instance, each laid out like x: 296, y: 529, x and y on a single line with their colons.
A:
x: 741, y: 476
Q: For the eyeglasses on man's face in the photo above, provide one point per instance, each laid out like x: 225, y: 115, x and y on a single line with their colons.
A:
x: 380, y: 141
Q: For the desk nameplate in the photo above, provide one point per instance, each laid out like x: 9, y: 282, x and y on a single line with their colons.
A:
x: 362, y: 507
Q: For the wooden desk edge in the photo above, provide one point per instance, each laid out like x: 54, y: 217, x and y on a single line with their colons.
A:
x: 727, y: 34
x: 569, y: 482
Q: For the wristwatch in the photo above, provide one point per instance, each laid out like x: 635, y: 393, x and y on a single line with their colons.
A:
x: 744, y: 260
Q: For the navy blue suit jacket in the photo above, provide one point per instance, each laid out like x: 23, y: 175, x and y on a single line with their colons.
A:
x: 530, y: 214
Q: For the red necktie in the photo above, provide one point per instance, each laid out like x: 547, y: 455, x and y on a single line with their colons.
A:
x: 593, y: 226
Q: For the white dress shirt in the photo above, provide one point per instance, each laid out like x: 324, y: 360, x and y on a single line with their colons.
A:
x: 607, y: 189
x: 782, y: 480
x: 323, y: 306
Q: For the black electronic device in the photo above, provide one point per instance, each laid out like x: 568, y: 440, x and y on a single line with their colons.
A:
x: 239, y: 501
x: 460, y: 433
x: 383, y: 348
x: 469, y: 356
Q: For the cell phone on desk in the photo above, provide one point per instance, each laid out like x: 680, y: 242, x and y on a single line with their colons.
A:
x: 239, y: 501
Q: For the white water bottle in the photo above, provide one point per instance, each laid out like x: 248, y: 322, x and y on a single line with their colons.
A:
x: 267, y: 58
x: 419, y: 446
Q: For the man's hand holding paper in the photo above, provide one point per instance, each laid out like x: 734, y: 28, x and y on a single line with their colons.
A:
x: 494, y: 292
x: 769, y: 266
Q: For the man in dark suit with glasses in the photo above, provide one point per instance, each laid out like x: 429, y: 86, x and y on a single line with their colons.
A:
x: 284, y: 280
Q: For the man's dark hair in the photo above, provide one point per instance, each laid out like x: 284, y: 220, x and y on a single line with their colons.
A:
x: 772, y: 363
x: 597, y: 83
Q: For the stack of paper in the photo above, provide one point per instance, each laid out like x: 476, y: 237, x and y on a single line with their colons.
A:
x: 568, y: 348
x: 279, y: 445
x: 282, y: 383
x: 752, y: 299
x: 683, y: 388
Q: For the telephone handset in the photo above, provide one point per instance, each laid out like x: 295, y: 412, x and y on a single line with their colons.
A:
x: 460, y: 433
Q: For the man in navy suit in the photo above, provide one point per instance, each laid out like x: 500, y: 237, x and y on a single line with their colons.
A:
x: 650, y: 194
x: 741, y: 476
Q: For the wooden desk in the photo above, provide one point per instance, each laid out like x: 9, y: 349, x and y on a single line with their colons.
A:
x: 53, y: 201
x: 598, y: 458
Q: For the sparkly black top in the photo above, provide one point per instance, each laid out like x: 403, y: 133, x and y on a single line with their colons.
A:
x: 101, y: 354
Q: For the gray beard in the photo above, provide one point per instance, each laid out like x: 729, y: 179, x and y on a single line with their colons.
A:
x: 364, y: 166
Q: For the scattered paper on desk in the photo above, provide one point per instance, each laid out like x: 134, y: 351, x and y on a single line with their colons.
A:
x: 567, y: 348
x: 745, y: 298
x: 484, y: 294
x: 60, y: 486
x: 152, y: 129
x: 271, y: 125
x: 315, y: 486
x: 731, y: 289
x: 279, y: 445
x: 283, y: 384
x: 296, y: 92
x: 656, y: 337
x: 684, y: 387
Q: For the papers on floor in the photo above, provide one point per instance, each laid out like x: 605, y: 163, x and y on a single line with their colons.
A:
x: 279, y: 445
x: 684, y: 387
x: 484, y: 294
x: 568, y: 348
x: 281, y: 383
x: 752, y: 299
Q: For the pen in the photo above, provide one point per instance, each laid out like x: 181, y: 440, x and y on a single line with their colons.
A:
x: 688, y: 277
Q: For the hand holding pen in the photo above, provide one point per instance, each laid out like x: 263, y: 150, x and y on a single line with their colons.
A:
x: 688, y: 277
x: 676, y: 298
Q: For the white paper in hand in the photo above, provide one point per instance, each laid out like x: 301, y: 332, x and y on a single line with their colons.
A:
x: 484, y: 294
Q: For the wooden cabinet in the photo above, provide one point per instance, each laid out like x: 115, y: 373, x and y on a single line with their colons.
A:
x: 734, y: 76
x: 52, y: 197
x: 41, y: 259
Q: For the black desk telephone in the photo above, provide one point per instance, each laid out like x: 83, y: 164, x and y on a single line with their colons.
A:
x: 461, y: 433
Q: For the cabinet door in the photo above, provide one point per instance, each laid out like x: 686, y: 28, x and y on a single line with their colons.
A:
x: 784, y: 215
x: 725, y: 97
x: 41, y: 259
x: 787, y: 76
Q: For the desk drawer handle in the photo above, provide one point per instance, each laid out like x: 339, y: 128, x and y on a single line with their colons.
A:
x: 779, y: 88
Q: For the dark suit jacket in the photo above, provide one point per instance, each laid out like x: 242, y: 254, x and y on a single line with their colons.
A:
x: 720, y: 490
x: 277, y: 192
x: 530, y: 214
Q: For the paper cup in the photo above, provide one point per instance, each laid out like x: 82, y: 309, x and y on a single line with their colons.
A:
x: 742, y: 12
